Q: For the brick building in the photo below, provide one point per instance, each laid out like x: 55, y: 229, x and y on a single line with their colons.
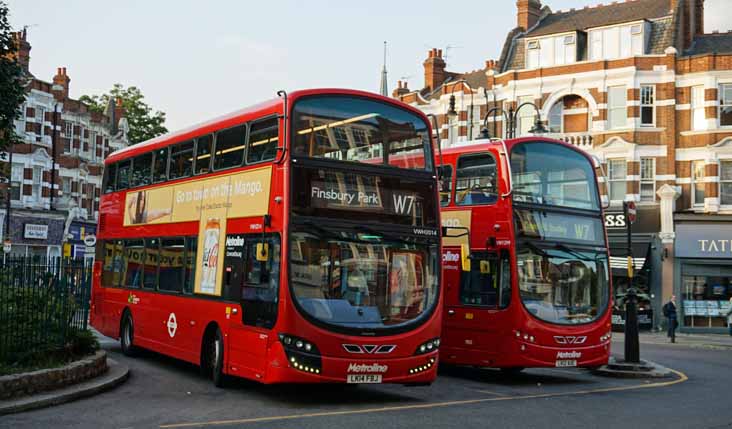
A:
x: 43, y: 224
x: 640, y: 85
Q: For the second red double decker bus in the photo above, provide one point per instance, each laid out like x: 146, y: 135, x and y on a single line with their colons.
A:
x: 294, y: 241
x: 525, y: 260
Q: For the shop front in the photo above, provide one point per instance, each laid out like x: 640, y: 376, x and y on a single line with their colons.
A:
x: 645, y: 250
x: 36, y: 234
x: 703, y: 272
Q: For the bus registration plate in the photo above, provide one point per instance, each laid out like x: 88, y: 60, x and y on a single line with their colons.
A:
x: 364, y: 378
x: 566, y: 363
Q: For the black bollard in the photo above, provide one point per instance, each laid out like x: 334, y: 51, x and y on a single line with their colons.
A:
x: 632, y: 346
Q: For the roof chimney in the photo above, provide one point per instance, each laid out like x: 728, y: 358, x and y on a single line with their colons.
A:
x: 434, y: 69
x: 400, y: 90
x: 62, y: 79
x: 21, y: 44
x: 528, y: 12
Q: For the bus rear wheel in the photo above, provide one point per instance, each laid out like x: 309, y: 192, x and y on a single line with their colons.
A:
x: 127, y: 336
x: 215, y: 358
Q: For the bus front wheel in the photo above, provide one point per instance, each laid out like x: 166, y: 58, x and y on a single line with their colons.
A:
x: 215, y: 358
x: 127, y: 336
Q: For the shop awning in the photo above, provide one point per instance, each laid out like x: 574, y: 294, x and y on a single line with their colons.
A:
x: 619, y: 257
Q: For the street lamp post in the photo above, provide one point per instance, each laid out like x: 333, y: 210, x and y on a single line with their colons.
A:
x: 53, y: 154
x: 510, y: 118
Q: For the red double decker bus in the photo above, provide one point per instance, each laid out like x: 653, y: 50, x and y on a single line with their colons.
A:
x: 525, y: 259
x: 293, y: 241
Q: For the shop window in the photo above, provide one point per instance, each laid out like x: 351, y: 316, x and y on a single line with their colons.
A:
x: 203, y: 154
x: 697, y: 182
x: 152, y: 256
x: 648, y: 179
x: 725, y: 105
x: 706, y: 299
x: 141, y: 170
x: 181, y: 160
x: 648, y: 112
x: 172, y: 258
x: 476, y: 180
x: 160, y: 165
x: 132, y: 264
x: 230, y: 147
x: 725, y: 182
x: 445, y: 175
x: 617, y: 176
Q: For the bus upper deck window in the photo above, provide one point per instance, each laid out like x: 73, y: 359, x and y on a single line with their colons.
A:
x: 110, y: 178
x: 445, y: 175
x: 141, y: 170
x: 476, y: 180
x: 263, y: 141
x: 123, y: 175
x: 181, y: 160
x: 230, y: 148
x: 160, y: 165
x: 203, y: 155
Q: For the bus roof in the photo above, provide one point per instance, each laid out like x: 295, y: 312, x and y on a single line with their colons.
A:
x: 480, y: 145
x: 268, y: 107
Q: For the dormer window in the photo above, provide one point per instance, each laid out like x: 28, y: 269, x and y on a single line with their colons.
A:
x: 551, y: 51
x: 622, y: 41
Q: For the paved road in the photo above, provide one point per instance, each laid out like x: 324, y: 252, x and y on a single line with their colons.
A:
x: 163, y: 392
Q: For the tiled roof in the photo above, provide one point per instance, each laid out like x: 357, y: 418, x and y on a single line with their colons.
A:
x: 662, y: 35
x: 476, y: 78
x: 711, y: 43
x: 598, y: 16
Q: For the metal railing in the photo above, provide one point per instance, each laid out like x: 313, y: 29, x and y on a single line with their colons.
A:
x: 42, y: 302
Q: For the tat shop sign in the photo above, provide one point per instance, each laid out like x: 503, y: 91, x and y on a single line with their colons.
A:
x: 710, y: 240
x: 35, y: 231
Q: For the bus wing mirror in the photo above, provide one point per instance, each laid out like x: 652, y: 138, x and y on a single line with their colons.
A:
x: 465, y: 257
x: 262, y: 252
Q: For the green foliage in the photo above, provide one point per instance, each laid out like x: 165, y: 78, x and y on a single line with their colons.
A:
x: 144, y: 123
x: 12, y: 92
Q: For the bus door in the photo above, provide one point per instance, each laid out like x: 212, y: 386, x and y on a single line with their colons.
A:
x: 477, y: 294
x: 251, y: 277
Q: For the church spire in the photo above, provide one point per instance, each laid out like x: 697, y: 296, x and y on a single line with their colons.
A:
x: 384, y: 90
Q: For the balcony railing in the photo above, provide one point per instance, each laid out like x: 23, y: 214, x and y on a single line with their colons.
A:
x: 582, y: 140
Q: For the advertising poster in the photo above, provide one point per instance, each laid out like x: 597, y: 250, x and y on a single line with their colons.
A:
x: 210, y: 202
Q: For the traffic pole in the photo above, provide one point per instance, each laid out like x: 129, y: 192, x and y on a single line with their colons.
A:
x: 632, y: 344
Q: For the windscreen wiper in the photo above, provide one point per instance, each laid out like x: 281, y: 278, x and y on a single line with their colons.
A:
x: 567, y: 249
x: 536, y: 248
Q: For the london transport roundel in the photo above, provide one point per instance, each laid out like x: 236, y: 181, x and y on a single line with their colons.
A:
x: 172, y: 325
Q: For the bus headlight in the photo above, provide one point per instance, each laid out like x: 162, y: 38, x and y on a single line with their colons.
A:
x: 301, y: 354
x: 428, y: 347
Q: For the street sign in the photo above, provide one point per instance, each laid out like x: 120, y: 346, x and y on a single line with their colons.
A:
x: 7, y: 246
x: 90, y: 240
x: 631, y: 211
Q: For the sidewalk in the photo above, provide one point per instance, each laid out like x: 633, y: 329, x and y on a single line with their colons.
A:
x: 709, y: 341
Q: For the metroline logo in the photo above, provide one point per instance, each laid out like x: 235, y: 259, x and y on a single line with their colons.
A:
x: 362, y: 367
x: 569, y: 355
x: 450, y: 257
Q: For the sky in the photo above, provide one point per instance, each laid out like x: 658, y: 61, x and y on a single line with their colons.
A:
x: 195, y: 60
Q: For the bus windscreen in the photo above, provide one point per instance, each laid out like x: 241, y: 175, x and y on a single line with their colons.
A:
x: 354, y: 129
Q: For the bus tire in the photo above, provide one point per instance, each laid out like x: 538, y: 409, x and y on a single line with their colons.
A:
x: 127, y: 336
x: 215, y: 358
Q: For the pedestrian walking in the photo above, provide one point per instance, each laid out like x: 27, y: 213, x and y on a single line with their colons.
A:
x: 729, y: 317
x: 669, y: 311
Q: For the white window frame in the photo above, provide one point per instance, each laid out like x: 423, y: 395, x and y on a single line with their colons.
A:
x: 559, y: 103
x: 93, y: 145
x: 17, y: 172
x: 646, y: 180
x: 623, y: 178
x: 595, y: 48
x: 533, y: 54
x: 41, y: 119
x: 66, y: 186
x: 526, y: 115
x: 722, y: 181
x: 645, y: 103
x: 695, y: 180
x: 69, y: 130
x: 724, y: 103
x: 614, y: 105
x: 37, y: 186
x: 698, y: 108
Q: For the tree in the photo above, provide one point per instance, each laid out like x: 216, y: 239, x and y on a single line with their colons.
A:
x: 143, y: 121
x: 12, y: 91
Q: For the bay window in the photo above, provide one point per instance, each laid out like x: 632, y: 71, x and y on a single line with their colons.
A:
x: 551, y: 51
x: 617, y: 106
x: 617, y: 176
x: 617, y: 42
x: 725, y: 182
x: 725, y: 105
x: 648, y: 179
